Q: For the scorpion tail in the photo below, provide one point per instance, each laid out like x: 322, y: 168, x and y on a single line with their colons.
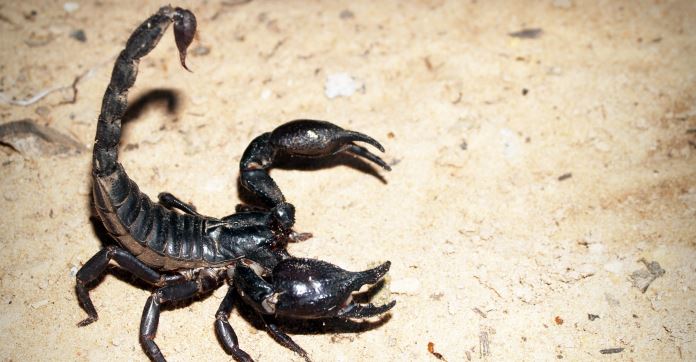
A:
x: 114, y: 103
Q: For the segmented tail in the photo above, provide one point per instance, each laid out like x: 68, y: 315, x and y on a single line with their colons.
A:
x: 114, y: 103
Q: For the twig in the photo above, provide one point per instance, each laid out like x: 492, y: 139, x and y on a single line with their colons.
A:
x: 611, y: 350
x: 31, y: 100
x: 4, y: 98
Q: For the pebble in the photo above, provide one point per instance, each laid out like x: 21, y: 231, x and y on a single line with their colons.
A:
x: 79, y: 35
x: 266, y: 94
x: 563, y: 4
x: 200, y: 50
x: 71, y: 7
x: 408, y: 286
x: 346, y: 14
x: 341, y: 85
x: 555, y: 71
x: 596, y: 248
x: 39, y: 304
x: 614, y: 267
x: 9, y: 196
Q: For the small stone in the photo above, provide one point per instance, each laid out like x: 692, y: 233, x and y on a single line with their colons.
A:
x: 346, y: 14
x: 200, y: 51
x: 341, y: 85
x: 39, y: 304
x: 407, y: 286
x: 555, y: 71
x: 614, y: 266
x: 596, y: 248
x: 79, y: 35
x: 42, y: 111
x: 73, y: 271
x: 563, y: 4
x: 9, y: 196
x: 266, y: 94
x: 71, y: 7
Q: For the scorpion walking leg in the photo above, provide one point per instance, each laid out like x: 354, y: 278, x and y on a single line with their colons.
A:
x: 172, y: 202
x: 224, y: 330
x: 249, y: 208
x: 177, y: 292
x: 95, y: 267
x: 282, y: 338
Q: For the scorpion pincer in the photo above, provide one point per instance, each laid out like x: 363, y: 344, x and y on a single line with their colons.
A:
x: 182, y: 253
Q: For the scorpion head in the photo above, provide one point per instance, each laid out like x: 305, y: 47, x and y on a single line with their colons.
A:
x: 283, y: 216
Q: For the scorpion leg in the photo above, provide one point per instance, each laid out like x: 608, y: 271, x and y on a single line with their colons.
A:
x: 205, y: 282
x: 249, y: 208
x: 300, y: 138
x: 95, y: 267
x: 282, y: 338
x: 172, y: 202
x: 224, y: 330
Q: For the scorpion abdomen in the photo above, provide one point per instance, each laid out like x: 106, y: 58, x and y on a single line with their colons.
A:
x: 156, y: 235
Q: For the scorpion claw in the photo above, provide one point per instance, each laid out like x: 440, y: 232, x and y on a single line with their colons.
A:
x: 361, y: 137
x: 310, y: 138
x: 365, y: 310
x: 363, y: 152
x: 308, y: 289
x: 184, y: 31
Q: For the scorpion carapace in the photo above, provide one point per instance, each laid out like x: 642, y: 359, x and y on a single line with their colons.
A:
x: 184, y: 254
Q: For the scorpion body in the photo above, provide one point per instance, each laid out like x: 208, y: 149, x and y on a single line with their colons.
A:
x: 184, y: 254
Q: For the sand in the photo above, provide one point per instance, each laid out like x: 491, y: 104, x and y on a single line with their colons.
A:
x: 536, y: 173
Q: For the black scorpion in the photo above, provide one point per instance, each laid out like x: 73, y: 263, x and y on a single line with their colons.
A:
x: 185, y: 254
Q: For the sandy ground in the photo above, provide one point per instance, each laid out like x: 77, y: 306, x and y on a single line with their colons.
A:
x: 531, y: 174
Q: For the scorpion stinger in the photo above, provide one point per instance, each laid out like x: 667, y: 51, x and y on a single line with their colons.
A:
x: 184, y: 254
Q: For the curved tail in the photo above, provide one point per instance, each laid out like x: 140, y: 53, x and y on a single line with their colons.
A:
x: 114, y: 103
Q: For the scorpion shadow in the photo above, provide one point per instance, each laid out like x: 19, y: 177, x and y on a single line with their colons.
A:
x: 170, y: 98
x: 167, y: 96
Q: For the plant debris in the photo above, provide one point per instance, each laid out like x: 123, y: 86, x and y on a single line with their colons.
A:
x: 28, y: 138
x: 484, y: 344
x: 611, y: 350
x: 527, y: 33
x: 592, y: 317
x: 565, y: 176
x: 644, y: 277
x: 431, y: 349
